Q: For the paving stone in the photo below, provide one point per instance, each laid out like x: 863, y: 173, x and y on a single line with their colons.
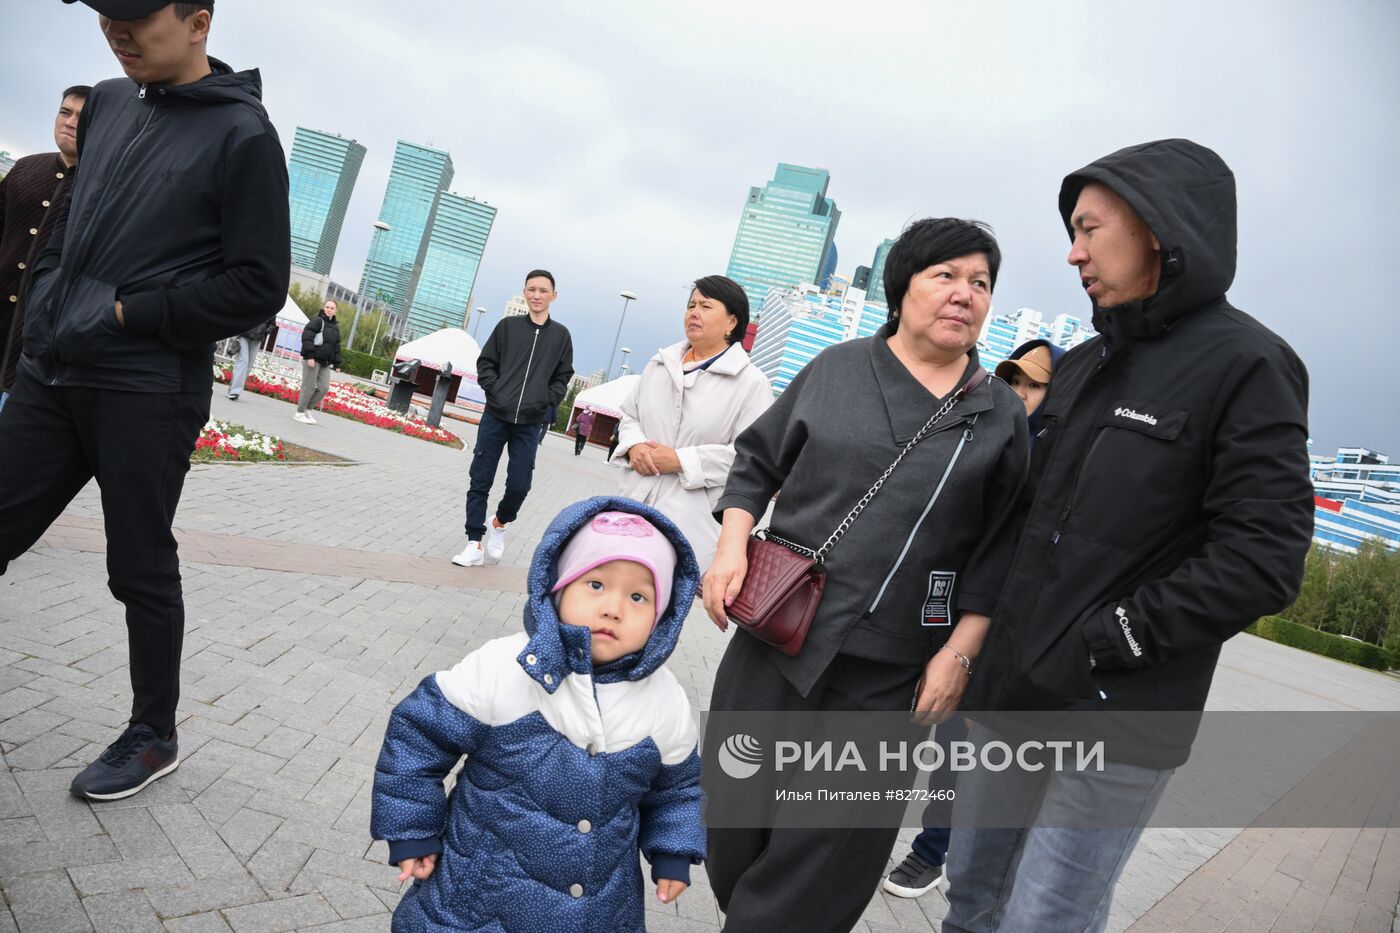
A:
x: 198, y: 923
x: 125, y: 912
x: 46, y: 902
x: 201, y: 897
x: 126, y: 875
x: 290, y: 913
x: 276, y: 864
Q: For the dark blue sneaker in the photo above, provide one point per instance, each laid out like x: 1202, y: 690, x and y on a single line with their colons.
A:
x: 129, y: 764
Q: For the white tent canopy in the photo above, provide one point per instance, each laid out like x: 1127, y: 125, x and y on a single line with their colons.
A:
x: 449, y: 345
x: 607, y: 398
x: 291, y: 317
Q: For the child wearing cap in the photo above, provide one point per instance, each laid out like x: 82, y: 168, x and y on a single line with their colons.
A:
x: 580, y: 744
x: 1028, y: 371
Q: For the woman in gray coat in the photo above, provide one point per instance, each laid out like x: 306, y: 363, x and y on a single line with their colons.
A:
x: 910, y: 587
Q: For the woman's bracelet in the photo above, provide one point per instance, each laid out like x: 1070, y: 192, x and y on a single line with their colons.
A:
x: 963, y: 659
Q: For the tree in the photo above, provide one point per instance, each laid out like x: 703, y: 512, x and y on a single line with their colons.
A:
x: 566, y: 408
x: 308, y: 301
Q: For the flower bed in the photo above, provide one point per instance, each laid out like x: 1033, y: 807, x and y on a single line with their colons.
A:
x: 345, y: 400
x: 222, y: 441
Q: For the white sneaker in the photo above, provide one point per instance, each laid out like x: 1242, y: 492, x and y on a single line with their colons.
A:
x: 495, y: 542
x: 309, y: 419
x: 471, y: 555
x: 302, y: 417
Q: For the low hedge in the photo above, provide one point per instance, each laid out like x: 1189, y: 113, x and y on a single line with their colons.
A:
x: 1288, y: 633
x: 362, y: 364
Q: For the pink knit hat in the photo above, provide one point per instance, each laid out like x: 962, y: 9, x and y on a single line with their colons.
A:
x: 619, y: 536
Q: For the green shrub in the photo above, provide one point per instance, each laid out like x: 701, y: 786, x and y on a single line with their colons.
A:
x: 1288, y: 633
x: 361, y: 364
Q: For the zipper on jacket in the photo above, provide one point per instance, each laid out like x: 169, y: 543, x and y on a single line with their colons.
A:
x: 78, y: 256
x: 1074, y: 489
x: 525, y: 384
x: 142, y: 95
x: 908, y: 542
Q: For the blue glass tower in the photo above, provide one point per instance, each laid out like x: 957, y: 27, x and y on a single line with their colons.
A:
x: 322, y: 173
x: 455, y: 243
x: 419, y: 176
x: 800, y: 323
x: 876, y: 292
x: 786, y: 233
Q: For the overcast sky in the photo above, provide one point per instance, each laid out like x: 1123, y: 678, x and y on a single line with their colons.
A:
x: 618, y: 141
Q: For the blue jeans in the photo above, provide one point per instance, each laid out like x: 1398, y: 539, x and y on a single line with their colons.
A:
x: 494, y: 436
x: 931, y: 844
x: 1043, y: 873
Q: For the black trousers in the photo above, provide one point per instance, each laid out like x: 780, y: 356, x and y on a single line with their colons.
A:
x: 580, y: 442
x: 813, y: 880
x: 138, y: 446
x: 521, y: 442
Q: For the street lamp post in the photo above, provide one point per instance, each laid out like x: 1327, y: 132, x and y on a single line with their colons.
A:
x: 360, y: 307
x: 626, y: 297
x: 482, y: 316
x: 623, y: 368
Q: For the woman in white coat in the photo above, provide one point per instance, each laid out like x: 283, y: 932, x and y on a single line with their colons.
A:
x: 676, y: 438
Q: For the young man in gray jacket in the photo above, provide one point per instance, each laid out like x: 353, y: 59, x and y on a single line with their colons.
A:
x: 175, y: 235
x: 524, y: 369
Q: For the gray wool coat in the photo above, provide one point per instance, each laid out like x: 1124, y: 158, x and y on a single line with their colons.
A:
x: 933, y: 533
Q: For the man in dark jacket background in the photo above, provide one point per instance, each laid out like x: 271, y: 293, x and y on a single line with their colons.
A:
x: 175, y: 235
x: 1168, y: 507
x: 524, y: 369
x: 26, y: 194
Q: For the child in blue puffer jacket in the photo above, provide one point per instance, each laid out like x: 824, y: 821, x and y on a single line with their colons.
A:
x: 580, y: 745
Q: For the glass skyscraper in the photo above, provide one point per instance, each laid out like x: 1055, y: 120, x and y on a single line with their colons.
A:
x: 322, y: 172
x: 876, y: 291
x: 786, y: 233
x: 451, y: 257
x: 417, y: 180
x: 802, y: 322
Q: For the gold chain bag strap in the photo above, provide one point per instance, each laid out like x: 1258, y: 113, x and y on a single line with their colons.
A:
x: 785, y: 580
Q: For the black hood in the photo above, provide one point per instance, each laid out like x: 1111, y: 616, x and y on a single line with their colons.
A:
x: 1186, y: 195
x: 221, y: 85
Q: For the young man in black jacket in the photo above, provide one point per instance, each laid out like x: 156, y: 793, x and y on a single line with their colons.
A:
x: 1168, y: 506
x: 175, y: 235
x: 524, y: 369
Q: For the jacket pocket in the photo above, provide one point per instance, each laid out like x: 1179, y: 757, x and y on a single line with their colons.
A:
x: 1135, y: 477
x: 85, y: 326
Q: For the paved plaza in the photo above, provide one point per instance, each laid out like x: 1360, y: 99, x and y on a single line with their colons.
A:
x: 319, y: 595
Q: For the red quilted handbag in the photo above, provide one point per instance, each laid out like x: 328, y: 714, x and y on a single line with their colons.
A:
x: 785, y: 581
x: 780, y: 594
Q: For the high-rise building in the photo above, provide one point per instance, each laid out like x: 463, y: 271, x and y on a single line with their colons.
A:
x: 321, y: 174
x: 7, y: 162
x: 801, y: 322
x: 452, y: 253
x: 1003, y: 333
x: 876, y: 292
x: 417, y: 179
x: 861, y: 279
x: 786, y: 233
x: 1356, y: 498
x: 516, y: 306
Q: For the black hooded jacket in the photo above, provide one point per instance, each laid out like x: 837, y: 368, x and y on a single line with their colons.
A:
x: 180, y: 212
x: 1169, y: 503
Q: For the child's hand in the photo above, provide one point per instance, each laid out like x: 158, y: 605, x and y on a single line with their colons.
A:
x: 421, y: 868
x: 667, y: 890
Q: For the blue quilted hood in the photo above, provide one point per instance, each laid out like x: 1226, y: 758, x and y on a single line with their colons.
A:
x: 563, y: 649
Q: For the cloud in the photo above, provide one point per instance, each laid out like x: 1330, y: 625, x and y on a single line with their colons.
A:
x: 618, y: 141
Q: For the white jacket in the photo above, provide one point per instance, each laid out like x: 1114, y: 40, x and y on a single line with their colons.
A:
x: 701, y: 423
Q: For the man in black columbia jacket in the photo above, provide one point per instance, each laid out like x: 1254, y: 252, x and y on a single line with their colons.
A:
x: 175, y: 236
x: 524, y: 369
x: 1168, y: 507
